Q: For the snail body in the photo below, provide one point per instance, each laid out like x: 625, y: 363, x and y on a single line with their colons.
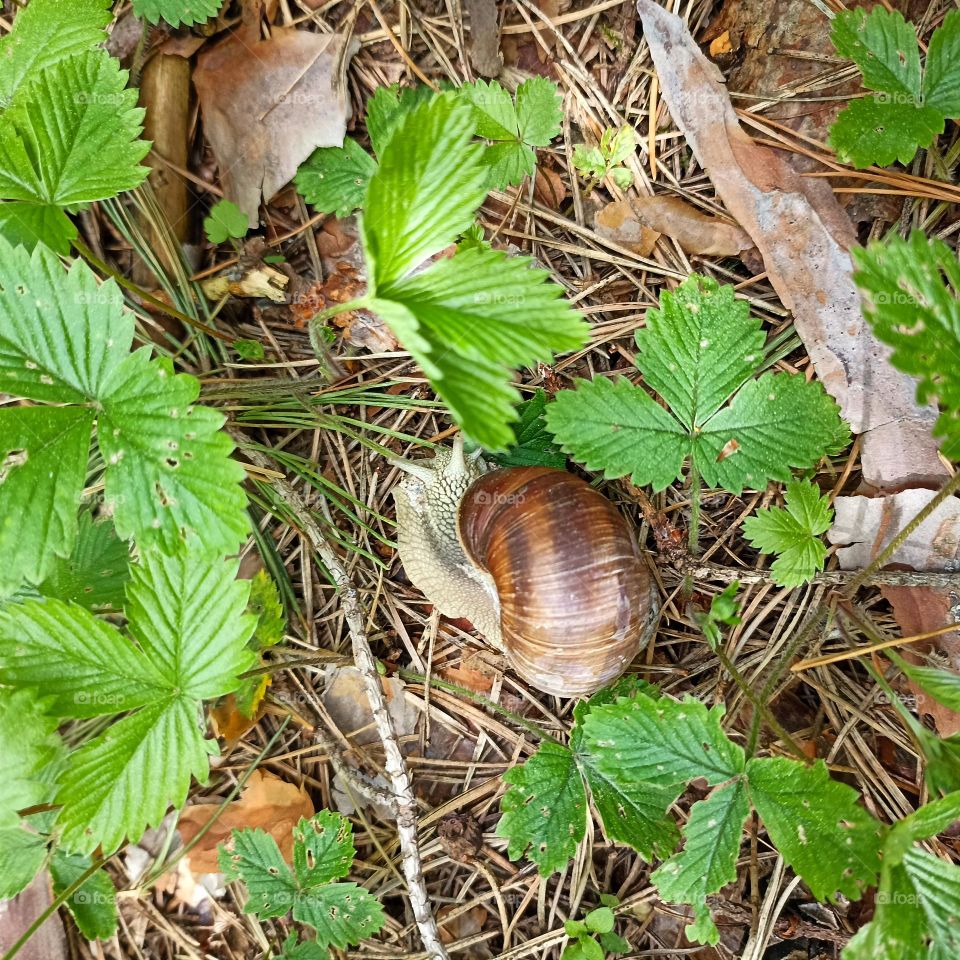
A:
x: 540, y: 563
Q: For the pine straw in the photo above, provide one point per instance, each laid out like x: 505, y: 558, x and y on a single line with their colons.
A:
x: 833, y: 712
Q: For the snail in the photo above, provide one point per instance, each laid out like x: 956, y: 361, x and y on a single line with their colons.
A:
x: 540, y: 563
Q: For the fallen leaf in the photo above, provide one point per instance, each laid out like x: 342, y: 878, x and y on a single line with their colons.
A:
x: 804, y: 237
x: 696, y: 232
x: 484, y: 43
x: 616, y: 222
x: 549, y: 188
x: 267, y: 802
x: 49, y: 942
x: 345, y: 699
x: 268, y: 104
x: 461, y: 926
x: 229, y: 722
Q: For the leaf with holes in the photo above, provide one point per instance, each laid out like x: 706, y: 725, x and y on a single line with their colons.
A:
x: 544, y: 809
x: 341, y: 913
x: 334, y: 179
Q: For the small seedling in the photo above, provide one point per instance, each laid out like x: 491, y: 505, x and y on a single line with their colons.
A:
x: 607, y: 158
x: 225, y: 222
x: 593, y: 937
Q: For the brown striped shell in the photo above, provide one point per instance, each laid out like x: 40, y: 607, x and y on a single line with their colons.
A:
x: 575, y: 599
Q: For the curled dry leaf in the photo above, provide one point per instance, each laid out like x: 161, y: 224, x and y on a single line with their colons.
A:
x: 267, y: 802
x: 617, y: 222
x: 804, y: 238
x: 268, y: 104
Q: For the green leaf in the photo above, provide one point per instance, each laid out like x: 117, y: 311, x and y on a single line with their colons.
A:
x: 942, y: 685
x: 31, y: 748
x: 388, y: 107
x: 539, y: 111
x: 632, y: 812
x: 46, y: 32
x: 96, y: 572
x: 792, y: 533
x: 43, y: 460
x: 185, y: 612
x: 942, y: 756
x: 22, y: 854
x: 614, y: 943
x: 883, y: 45
x: 341, y: 913
x: 176, y: 12
x: 573, y: 928
x: 94, y: 905
x: 544, y: 808
x: 723, y: 609
x: 695, y: 351
x: 708, y: 861
x: 622, y: 177
x: 335, y: 179
x: 698, y: 348
x: 494, y: 109
x: 591, y: 949
x: 27, y: 224
x: 226, y: 220
x: 666, y: 741
x: 62, y: 334
x: 879, y: 130
x: 600, y: 920
x: 909, y: 290
x: 70, y: 134
x: 941, y: 73
x: 817, y: 825
x: 265, y: 605
x: 425, y: 192
x: 169, y: 473
x: 304, y: 950
x: 618, y: 145
x: 533, y: 444
x: 468, y: 320
x: 589, y: 161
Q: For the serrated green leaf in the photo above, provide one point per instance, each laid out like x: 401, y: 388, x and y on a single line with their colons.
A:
x: 43, y: 460
x: 941, y: 70
x: 910, y: 292
x: 495, y: 112
x: 22, y: 854
x: 589, y: 161
x: 424, y: 195
x: 817, y: 825
x: 31, y: 748
x: 169, y: 472
x: 334, y: 179
x: 539, y: 111
x: 615, y: 427
x: 942, y: 685
x: 932, y: 818
x: 468, y: 320
x: 879, y: 130
x: 533, y: 444
x: 387, y: 108
x: 94, y: 905
x: 792, y: 533
x: 665, y: 742
x: 777, y: 423
x: 186, y: 613
x: 96, y: 572
x: 544, y: 809
x: 45, y: 32
x: 708, y: 860
x: 70, y: 134
x: 618, y: 145
x: 177, y: 12
x: 688, y: 355
x: 266, y: 606
x: 27, y: 224
x: 226, y: 220
x: 304, y: 950
x: 62, y: 334
x: 942, y: 756
x: 614, y: 943
x: 698, y: 348
x: 341, y: 913
x: 883, y: 45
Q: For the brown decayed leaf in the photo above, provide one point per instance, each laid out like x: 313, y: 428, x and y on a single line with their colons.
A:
x: 696, y: 232
x: 267, y: 105
x: 617, y: 222
x: 804, y: 239
x: 267, y: 802
x: 49, y: 942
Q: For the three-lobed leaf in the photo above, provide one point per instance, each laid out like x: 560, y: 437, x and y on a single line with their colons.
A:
x: 225, y: 221
x: 696, y: 350
x: 792, y: 532
x: 340, y: 913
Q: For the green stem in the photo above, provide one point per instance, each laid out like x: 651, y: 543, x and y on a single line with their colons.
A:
x: 695, y: 481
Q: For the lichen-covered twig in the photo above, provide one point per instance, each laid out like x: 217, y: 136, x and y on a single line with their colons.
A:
x: 394, y: 765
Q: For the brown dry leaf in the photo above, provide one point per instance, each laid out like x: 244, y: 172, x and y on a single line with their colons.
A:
x: 804, y: 237
x: 268, y: 104
x: 549, y: 188
x: 460, y: 927
x: 345, y: 699
x: 49, y: 942
x: 616, y: 222
x: 266, y: 802
x: 229, y: 722
x: 484, y: 42
x: 695, y: 231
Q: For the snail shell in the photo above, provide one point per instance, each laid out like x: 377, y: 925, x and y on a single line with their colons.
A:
x: 574, y: 595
